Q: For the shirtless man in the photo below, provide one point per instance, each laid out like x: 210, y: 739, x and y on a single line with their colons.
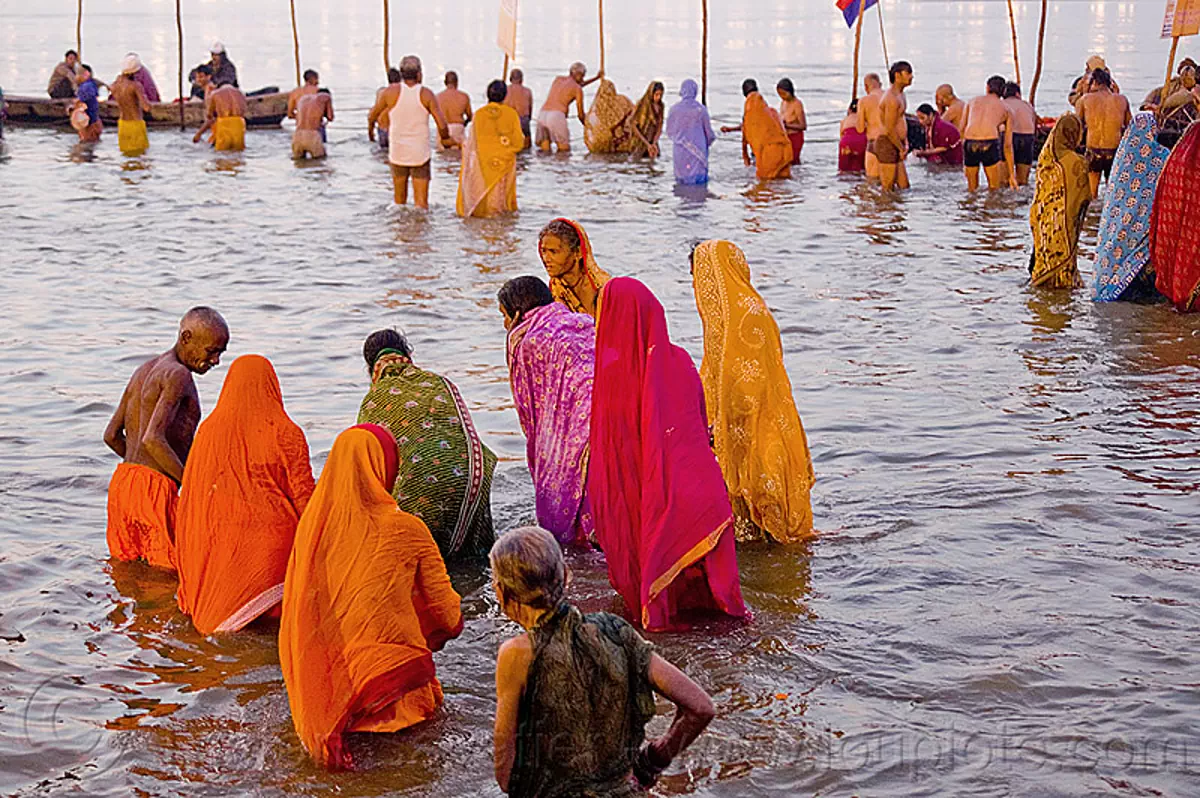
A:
x: 891, y: 148
x: 986, y: 116
x: 1105, y: 115
x: 132, y: 103
x: 152, y: 431
x: 552, y: 119
x: 952, y: 109
x: 381, y: 122
x: 225, y: 115
x: 1024, y: 131
x: 312, y: 111
x: 456, y: 107
x: 520, y: 99
x: 870, y: 121
x: 312, y: 82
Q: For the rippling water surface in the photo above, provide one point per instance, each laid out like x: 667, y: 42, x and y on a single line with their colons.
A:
x: 1004, y: 600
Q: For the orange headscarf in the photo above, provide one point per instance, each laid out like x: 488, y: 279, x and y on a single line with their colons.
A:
x: 591, y: 270
x: 764, y: 132
x: 366, y: 601
x: 247, y: 481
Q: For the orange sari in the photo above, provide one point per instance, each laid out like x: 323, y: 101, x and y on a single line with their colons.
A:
x: 247, y: 481
x: 366, y: 601
x: 765, y: 134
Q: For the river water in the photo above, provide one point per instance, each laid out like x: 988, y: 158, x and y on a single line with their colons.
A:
x: 1004, y: 599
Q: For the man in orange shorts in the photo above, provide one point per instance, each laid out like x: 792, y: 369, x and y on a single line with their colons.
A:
x: 152, y: 431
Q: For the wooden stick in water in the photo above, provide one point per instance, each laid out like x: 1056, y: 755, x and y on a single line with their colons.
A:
x: 79, y: 31
x: 857, y: 46
x: 295, y: 40
x: 1162, y: 98
x: 887, y: 62
x: 704, y: 55
x: 601, y: 35
x: 1012, y: 23
x: 1037, y: 73
x: 387, y: 61
x: 179, y: 32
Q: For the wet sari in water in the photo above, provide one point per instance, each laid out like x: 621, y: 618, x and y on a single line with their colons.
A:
x: 691, y: 133
x: 366, y: 601
x: 246, y: 484
x: 757, y: 432
x: 551, y: 359
x: 445, y: 470
x: 661, y: 509
x: 1174, y: 227
x: 764, y: 132
x: 487, y: 180
x: 1060, y: 202
x: 596, y: 276
x: 647, y: 119
x: 1123, y: 249
x: 604, y: 124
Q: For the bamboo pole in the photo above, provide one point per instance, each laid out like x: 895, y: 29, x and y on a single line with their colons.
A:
x: 1162, y: 98
x: 387, y: 61
x: 295, y: 40
x: 179, y: 32
x: 1012, y: 23
x: 602, y: 36
x: 704, y: 55
x: 887, y: 62
x: 857, y: 46
x: 504, y: 74
x: 1037, y: 73
x: 79, y: 31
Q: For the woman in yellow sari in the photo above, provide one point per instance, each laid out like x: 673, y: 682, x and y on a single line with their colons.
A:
x: 575, y: 279
x: 757, y: 433
x: 645, y: 125
x: 763, y: 132
x: 487, y: 181
x: 605, y: 125
x: 1059, y: 205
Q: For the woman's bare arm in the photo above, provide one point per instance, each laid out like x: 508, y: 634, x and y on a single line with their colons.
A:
x: 512, y: 671
x: 694, y: 711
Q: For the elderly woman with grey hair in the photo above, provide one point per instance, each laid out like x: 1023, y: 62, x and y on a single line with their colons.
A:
x: 574, y: 692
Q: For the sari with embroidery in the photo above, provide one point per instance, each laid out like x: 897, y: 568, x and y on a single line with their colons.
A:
x: 596, y: 276
x: 759, y: 439
x: 604, y: 124
x: 487, y: 181
x: 647, y: 119
x: 764, y: 133
x: 366, y: 603
x: 445, y: 470
x: 1174, y: 228
x: 551, y: 359
x: 1123, y: 250
x: 246, y: 484
x: 1059, y: 204
x: 691, y: 133
x: 661, y: 509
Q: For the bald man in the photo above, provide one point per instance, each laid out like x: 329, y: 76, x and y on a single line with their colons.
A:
x: 520, y: 99
x: 152, y: 431
x: 952, y: 109
x: 870, y: 121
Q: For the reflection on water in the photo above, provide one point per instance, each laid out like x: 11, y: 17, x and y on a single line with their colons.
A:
x: 1003, y: 599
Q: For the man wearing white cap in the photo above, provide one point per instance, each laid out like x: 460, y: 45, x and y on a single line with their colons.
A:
x: 136, y: 70
x: 224, y: 73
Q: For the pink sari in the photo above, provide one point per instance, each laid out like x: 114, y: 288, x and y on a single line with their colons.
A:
x: 661, y: 508
x: 551, y: 357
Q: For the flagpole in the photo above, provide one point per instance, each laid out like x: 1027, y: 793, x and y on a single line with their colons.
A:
x: 79, y: 31
x: 704, y: 56
x: 295, y: 40
x: 387, y: 61
x: 1037, y: 74
x: 857, y: 47
x: 179, y: 32
x: 887, y: 62
x: 1012, y: 23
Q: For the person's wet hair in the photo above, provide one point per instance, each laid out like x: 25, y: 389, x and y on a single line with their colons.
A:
x: 1012, y: 90
x: 897, y: 68
x: 1102, y: 77
x: 564, y: 232
x: 516, y: 76
x: 452, y: 78
x: 380, y: 340
x: 310, y: 74
x: 996, y: 84
x: 522, y: 294
x: 497, y: 91
x: 749, y: 86
x: 786, y: 85
x: 393, y: 75
x: 926, y: 108
x: 410, y: 68
x: 528, y: 566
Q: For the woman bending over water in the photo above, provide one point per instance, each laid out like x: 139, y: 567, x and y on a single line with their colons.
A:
x: 575, y: 692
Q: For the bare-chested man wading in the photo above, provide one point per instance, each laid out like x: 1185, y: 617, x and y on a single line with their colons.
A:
x: 520, y: 99
x: 1024, y: 131
x: 152, y: 431
x: 456, y: 107
x: 987, y: 116
x: 891, y: 148
x: 312, y: 112
x: 952, y: 109
x: 1105, y: 115
x: 132, y: 104
x: 870, y: 121
x: 552, y: 119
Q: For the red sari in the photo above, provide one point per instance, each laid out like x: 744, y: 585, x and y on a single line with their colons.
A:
x: 1174, y: 237
x: 660, y: 506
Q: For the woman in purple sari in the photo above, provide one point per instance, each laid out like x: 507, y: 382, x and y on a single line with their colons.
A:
x: 690, y: 129
x: 551, y: 357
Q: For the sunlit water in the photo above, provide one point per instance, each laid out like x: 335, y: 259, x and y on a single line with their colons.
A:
x: 1003, y: 600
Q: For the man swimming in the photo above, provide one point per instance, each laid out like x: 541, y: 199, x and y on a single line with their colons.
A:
x: 456, y: 107
x: 1024, y: 131
x: 1105, y: 115
x: 312, y: 112
x: 132, y: 103
x: 870, y: 121
x: 891, y: 148
x: 552, y: 119
x: 952, y: 109
x: 152, y: 431
x: 520, y: 99
x: 225, y: 115
x: 986, y: 116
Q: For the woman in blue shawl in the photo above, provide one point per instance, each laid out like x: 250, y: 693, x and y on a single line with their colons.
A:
x: 690, y: 129
x: 1123, y: 268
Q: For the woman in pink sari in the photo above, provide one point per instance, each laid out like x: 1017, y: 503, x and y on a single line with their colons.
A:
x: 551, y: 357
x: 661, y: 508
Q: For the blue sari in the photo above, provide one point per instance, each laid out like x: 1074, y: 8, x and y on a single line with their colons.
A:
x: 1123, y: 248
x: 691, y: 131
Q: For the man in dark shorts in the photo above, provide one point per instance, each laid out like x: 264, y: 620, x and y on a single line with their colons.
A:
x: 986, y: 116
x: 1024, y: 131
x: 1105, y: 114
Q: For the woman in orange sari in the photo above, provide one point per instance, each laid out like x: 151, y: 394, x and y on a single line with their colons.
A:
x: 366, y: 602
x: 246, y: 484
x: 763, y: 133
x: 575, y: 278
x: 487, y: 181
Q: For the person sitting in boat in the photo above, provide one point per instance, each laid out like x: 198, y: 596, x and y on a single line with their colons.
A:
x: 224, y: 73
x: 65, y: 77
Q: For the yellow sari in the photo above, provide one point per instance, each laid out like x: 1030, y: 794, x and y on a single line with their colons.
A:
x: 487, y: 182
x: 1059, y: 205
x: 592, y: 272
x: 604, y: 126
x: 759, y: 439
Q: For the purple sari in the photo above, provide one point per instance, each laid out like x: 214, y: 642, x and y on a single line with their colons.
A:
x: 689, y: 128
x: 551, y: 357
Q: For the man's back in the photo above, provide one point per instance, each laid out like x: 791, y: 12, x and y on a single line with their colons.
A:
x: 129, y: 98
x: 869, y: 111
x: 455, y: 105
x: 1105, y: 115
x: 985, y: 115
x: 227, y: 101
x: 311, y: 111
x: 298, y: 94
x: 955, y: 112
x: 562, y: 93
x: 520, y: 99
x: 148, y: 384
x: 1024, y: 117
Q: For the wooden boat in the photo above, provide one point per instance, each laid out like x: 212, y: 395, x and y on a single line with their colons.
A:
x: 262, y: 110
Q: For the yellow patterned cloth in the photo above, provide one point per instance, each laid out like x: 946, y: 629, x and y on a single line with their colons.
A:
x: 759, y: 439
x: 1059, y: 205
x: 487, y: 181
x: 604, y: 126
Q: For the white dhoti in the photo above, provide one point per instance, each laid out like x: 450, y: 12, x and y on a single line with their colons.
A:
x: 458, y: 133
x: 552, y: 127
